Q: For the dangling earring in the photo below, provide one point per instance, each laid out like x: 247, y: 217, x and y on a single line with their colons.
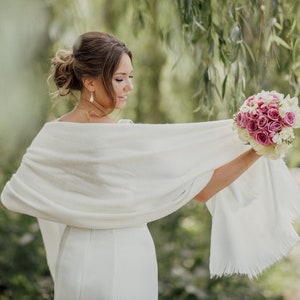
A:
x: 92, y: 98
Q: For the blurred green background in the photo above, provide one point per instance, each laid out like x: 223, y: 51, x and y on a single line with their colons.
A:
x: 193, y: 61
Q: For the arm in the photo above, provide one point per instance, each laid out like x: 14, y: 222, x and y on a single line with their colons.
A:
x: 226, y: 174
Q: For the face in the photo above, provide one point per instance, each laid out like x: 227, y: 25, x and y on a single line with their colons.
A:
x: 122, y: 81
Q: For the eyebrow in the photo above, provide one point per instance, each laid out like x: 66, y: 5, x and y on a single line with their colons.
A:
x: 123, y: 73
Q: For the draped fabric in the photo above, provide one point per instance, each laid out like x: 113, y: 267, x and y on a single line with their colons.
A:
x: 104, y: 176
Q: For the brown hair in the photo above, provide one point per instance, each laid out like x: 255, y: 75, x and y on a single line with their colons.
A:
x: 95, y: 54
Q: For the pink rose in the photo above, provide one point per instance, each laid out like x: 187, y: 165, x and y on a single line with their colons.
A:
x: 262, y: 137
x: 273, y: 114
x: 274, y: 126
x: 271, y: 134
x: 289, y: 118
x: 261, y: 107
x: 252, y: 116
x: 262, y: 121
x: 250, y: 99
x: 272, y: 105
x: 241, y: 119
x: 251, y: 126
x: 275, y: 96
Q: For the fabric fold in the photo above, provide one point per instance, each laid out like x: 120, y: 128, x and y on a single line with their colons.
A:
x: 104, y: 176
x: 252, y: 220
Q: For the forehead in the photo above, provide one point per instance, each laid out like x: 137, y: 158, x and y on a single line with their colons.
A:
x: 125, y: 65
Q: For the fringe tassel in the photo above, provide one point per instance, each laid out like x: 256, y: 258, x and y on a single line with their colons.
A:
x: 253, y: 269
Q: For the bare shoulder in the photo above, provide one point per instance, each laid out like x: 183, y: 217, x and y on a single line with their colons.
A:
x: 73, y: 116
x: 69, y: 117
x: 84, y: 116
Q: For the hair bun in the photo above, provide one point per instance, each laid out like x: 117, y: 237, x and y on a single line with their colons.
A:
x: 63, y: 73
x: 62, y: 56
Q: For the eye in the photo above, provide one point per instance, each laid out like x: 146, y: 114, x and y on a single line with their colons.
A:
x: 121, y: 79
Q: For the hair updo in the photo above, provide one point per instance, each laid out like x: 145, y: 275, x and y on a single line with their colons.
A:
x: 95, y: 54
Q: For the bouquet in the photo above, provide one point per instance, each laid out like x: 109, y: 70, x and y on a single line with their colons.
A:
x: 266, y: 121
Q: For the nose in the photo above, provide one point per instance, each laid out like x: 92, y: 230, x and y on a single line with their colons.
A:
x: 129, y: 85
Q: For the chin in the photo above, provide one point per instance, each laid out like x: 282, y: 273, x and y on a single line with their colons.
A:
x: 121, y: 105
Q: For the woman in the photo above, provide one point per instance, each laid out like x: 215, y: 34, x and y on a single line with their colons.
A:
x: 94, y: 187
x: 103, y: 75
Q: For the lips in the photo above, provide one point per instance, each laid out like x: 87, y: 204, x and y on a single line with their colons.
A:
x: 122, y: 98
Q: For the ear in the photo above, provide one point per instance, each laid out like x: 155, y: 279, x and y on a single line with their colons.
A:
x: 89, y: 83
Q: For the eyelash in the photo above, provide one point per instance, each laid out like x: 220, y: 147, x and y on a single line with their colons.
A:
x: 121, y: 79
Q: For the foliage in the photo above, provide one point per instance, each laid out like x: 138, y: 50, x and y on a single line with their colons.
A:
x: 242, y: 47
x: 24, y: 273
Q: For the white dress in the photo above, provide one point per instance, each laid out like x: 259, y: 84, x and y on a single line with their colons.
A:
x: 111, y: 264
x: 93, y: 204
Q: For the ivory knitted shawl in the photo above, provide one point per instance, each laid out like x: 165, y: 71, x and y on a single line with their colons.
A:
x: 119, y: 175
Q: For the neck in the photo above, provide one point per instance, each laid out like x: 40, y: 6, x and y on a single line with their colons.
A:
x: 94, y: 107
x: 93, y: 112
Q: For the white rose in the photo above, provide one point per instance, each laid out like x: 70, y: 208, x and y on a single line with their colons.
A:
x: 283, y: 109
x: 277, y: 139
x: 243, y: 135
x: 267, y: 151
x: 281, y: 149
x: 287, y: 133
x: 297, y: 123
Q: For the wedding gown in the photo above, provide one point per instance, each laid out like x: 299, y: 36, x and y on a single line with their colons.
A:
x: 93, y: 188
x: 110, y: 264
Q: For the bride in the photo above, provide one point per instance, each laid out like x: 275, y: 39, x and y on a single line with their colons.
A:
x: 94, y: 184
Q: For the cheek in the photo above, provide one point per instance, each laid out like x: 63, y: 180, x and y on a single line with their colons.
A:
x: 117, y: 86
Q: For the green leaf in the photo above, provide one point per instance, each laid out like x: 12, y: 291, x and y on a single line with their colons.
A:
x: 248, y: 50
x: 280, y: 41
x: 224, y: 86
